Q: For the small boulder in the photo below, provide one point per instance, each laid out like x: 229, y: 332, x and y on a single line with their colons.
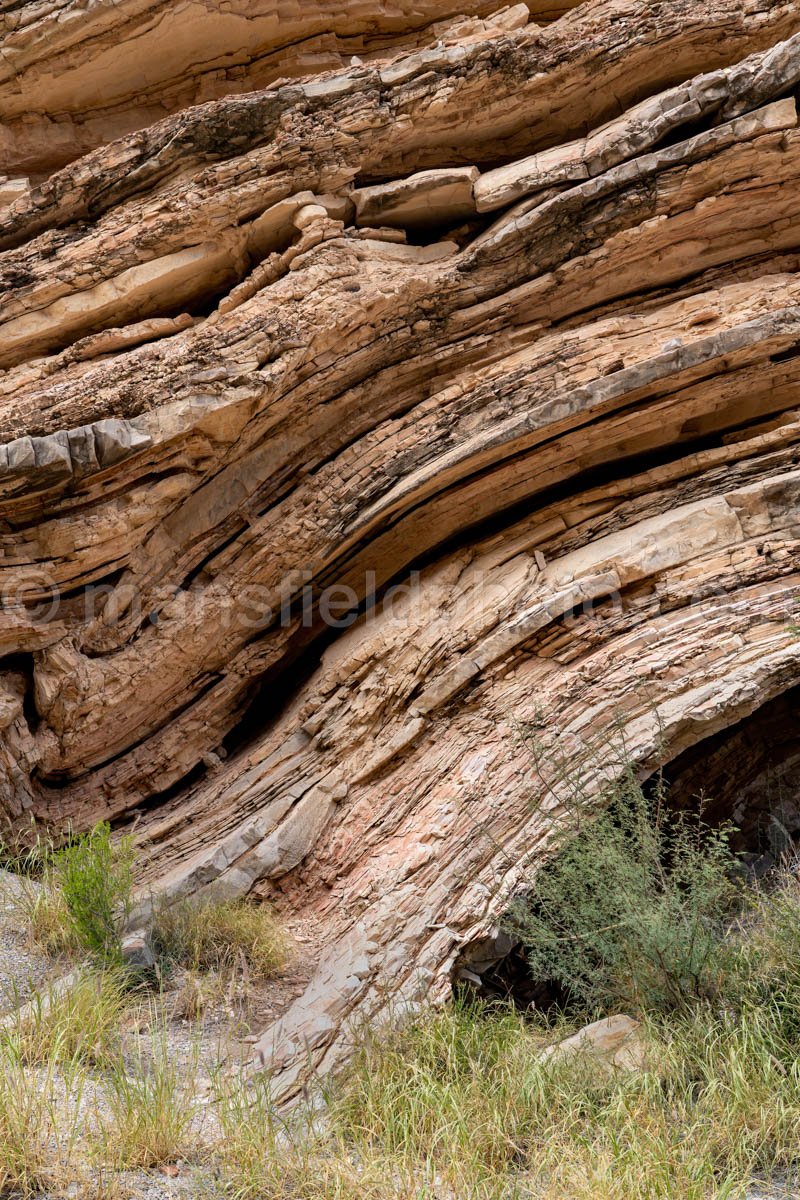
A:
x: 614, y: 1041
x: 136, y: 951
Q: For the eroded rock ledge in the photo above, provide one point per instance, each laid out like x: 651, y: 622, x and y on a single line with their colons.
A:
x: 490, y: 338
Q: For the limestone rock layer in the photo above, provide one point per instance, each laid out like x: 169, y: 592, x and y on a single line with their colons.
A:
x: 377, y: 387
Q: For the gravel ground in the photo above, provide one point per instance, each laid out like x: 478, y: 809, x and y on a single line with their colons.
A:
x: 775, y: 1190
x: 23, y: 969
x: 189, y: 1184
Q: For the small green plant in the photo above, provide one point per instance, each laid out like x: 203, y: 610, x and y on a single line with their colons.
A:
x: 209, y: 935
x: 632, y: 911
x: 76, y: 898
x: 95, y: 875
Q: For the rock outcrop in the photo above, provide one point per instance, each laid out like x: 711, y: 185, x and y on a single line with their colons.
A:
x: 376, y: 389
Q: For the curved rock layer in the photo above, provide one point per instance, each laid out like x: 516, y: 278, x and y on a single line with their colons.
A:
x: 75, y: 74
x: 363, y: 430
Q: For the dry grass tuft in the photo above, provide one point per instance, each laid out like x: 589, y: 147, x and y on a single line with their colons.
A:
x: 195, y: 994
x: 76, y: 1023
x: 39, y: 1122
x: 219, y: 936
x: 42, y: 907
x: 149, y: 1113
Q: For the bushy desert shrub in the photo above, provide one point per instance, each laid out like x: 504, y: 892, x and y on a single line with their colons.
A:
x: 632, y: 911
x: 95, y: 876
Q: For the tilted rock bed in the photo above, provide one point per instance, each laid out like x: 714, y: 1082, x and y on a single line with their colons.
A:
x: 498, y: 309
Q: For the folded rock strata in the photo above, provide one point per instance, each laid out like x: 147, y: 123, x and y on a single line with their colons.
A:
x: 360, y: 416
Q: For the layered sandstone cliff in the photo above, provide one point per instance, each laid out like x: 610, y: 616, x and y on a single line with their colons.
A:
x: 480, y: 326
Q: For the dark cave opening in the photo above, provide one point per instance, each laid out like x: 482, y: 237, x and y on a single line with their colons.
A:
x: 747, y: 775
x: 495, y: 970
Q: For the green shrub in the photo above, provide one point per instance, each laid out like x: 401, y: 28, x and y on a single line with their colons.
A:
x: 209, y: 935
x: 632, y: 911
x: 95, y: 875
x: 77, y: 898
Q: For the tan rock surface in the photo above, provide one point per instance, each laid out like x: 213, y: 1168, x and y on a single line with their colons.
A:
x: 503, y: 318
x: 609, y: 1042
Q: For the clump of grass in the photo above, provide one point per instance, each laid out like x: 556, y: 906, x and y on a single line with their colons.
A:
x: 76, y: 1023
x: 266, y: 1155
x: 95, y: 875
x: 209, y: 935
x: 420, y: 1110
x: 768, y: 961
x: 26, y: 849
x: 150, y: 1111
x: 37, y: 898
x: 256, y: 1142
x: 39, y: 1123
x: 460, y: 1101
x: 41, y: 905
x: 196, y: 992
x: 453, y: 1095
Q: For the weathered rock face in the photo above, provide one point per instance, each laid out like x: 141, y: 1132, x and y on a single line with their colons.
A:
x: 492, y: 334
